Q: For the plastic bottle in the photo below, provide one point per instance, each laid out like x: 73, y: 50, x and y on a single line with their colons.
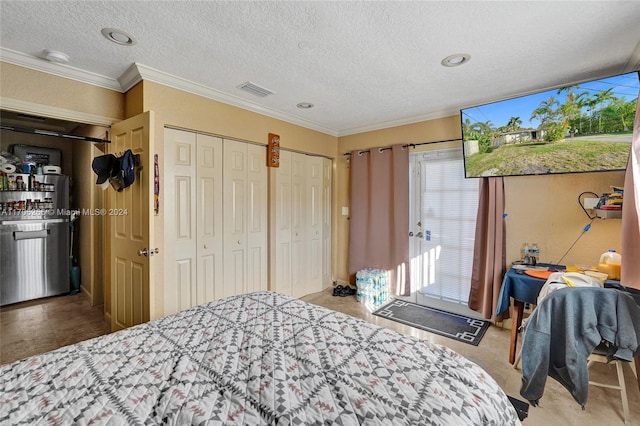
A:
x: 610, y: 264
x: 535, y: 252
x: 525, y: 250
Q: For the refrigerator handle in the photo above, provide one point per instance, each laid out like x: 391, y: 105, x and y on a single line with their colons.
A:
x: 28, y: 235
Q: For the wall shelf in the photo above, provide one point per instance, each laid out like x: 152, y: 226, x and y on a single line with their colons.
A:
x: 608, y: 214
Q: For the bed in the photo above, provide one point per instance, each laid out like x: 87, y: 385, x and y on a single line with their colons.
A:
x: 259, y: 358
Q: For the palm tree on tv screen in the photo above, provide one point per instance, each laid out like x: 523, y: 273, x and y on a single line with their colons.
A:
x: 514, y: 124
x: 600, y: 98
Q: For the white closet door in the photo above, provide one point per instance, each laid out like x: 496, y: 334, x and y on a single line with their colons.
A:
x: 303, y: 224
x: 314, y: 220
x: 283, y: 281
x: 209, y: 218
x: 327, y: 170
x: 180, y: 224
x: 298, y: 231
x: 245, y: 217
x: 256, y: 205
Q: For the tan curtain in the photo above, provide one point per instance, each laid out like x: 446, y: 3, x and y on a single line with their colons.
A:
x: 630, y: 269
x: 489, y: 254
x: 379, y: 225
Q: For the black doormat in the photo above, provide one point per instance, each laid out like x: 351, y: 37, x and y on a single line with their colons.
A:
x: 454, y: 326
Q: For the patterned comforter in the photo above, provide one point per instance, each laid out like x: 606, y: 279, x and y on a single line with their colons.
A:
x: 260, y: 358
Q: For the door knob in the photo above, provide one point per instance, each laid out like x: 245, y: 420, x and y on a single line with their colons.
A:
x: 148, y: 253
x: 206, y: 246
x: 411, y: 233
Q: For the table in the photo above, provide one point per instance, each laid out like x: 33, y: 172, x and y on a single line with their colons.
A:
x: 525, y: 289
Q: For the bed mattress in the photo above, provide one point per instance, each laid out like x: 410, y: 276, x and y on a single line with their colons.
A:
x: 261, y: 358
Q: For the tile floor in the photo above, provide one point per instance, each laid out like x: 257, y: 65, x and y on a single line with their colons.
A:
x: 39, y: 326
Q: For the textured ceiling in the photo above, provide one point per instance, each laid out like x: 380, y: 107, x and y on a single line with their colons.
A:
x: 364, y: 65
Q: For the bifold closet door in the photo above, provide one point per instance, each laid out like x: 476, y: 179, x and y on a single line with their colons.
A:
x: 327, y: 170
x: 245, y: 217
x: 209, y: 220
x: 193, y: 219
x: 303, y: 222
x: 283, y: 223
x: 298, y: 225
x: 314, y: 212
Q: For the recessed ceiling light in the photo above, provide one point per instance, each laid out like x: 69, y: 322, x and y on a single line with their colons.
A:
x: 55, y: 56
x: 456, y: 60
x: 305, y: 105
x: 119, y: 36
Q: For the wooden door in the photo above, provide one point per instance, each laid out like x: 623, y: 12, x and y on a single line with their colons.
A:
x: 209, y: 219
x: 130, y: 222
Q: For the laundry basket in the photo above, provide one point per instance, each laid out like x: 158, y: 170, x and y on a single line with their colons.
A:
x: 372, y: 286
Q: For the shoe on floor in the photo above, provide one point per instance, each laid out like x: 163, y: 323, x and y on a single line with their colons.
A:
x: 347, y: 291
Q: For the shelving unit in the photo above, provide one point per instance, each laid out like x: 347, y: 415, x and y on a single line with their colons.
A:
x: 608, y: 214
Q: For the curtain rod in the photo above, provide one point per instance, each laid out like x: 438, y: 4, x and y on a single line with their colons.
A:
x: 55, y: 134
x: 409, y: 145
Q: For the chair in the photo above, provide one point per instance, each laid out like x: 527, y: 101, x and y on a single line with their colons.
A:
x: 599, y: 354
x: 560, y: 338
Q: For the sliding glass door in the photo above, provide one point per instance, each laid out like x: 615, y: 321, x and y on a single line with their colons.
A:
x: 442, y: 226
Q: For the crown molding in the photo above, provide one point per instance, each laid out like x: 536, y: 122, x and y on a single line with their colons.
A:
x: 60, y: 70
x: 138, y: 72
x: 400, y: 122
x: 31, y: 108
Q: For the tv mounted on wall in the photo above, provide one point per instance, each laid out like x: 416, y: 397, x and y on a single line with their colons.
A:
x: 584, y: 127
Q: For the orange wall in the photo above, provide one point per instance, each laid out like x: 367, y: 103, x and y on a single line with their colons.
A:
x: 541, y: 209
x: 426, y: 131
x: 38, y: 90
x: 176, y: 108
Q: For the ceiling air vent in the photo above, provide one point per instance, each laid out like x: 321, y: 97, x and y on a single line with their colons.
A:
x: 255, y: 89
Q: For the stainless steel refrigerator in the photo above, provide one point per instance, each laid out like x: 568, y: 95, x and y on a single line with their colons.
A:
x: 34, y: 238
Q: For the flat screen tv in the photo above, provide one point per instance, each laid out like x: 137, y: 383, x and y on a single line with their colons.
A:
x: 584, y: 127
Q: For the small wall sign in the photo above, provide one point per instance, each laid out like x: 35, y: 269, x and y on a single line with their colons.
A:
x: 273, y: 151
